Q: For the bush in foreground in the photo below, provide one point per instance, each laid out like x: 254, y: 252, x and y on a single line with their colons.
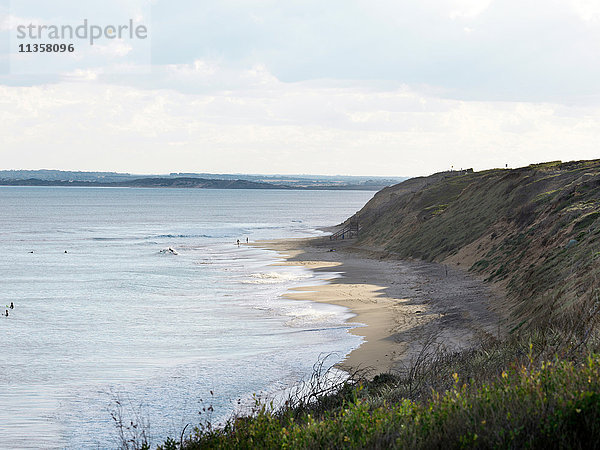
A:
x: 556, y: 404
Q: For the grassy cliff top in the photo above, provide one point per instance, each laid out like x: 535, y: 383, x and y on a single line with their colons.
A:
x: 533, y: 230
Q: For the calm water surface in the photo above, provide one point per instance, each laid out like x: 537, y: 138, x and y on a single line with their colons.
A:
x: 117, y: 318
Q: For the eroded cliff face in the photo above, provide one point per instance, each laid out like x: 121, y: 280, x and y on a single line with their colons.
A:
x: 534, y: 231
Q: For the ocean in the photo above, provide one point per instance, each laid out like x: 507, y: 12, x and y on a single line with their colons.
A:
x: 108, y: 321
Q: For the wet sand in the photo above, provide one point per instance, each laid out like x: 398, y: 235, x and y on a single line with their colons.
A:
x: 403, y: 304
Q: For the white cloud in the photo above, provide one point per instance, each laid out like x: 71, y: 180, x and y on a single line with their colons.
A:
x: 265, y: 125
x: 337, y: 87
x: 81, y: 75
x: 469, y: 49
x: 588, y: 10
x: 113, y: 49
x: 467, y: 9
x: 11, y: 22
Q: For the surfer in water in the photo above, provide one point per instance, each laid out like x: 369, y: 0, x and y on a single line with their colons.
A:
x: 12, y: 305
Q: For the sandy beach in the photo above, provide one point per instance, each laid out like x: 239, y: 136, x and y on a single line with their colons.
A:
x: 401, y: 305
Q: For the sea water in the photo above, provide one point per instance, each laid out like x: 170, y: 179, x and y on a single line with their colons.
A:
x: 109, y: 322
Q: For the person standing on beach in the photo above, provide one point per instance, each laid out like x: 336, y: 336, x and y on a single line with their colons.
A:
x: 238, y: 242
x: 246, y: 240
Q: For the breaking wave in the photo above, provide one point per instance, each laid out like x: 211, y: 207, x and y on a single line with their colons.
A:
x: 275, y: 277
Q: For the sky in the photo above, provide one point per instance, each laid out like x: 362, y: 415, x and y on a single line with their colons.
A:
x: 352, y: 87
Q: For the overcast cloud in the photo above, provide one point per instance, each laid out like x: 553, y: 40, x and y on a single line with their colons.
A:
x: 352, y: 87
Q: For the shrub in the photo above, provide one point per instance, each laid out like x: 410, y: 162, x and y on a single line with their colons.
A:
x: 555, y: 404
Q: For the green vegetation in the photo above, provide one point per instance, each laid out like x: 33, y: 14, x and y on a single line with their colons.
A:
x: 556, y: 405
x: 515, y: 224
x: 536, y: 389
x: 586, y: 220
x: 546, y: 166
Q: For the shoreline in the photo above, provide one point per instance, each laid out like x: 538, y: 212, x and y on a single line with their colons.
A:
x: 404, y: 305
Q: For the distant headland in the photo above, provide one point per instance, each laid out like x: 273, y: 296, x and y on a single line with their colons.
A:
x: 46, y: 177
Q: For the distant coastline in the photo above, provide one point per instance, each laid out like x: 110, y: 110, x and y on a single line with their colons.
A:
x: 192, y: 181
x: 189, y: 183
